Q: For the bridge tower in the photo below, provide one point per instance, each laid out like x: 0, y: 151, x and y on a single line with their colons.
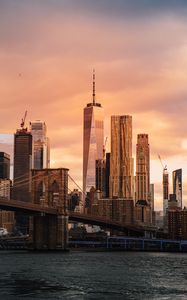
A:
x: 49, y: 188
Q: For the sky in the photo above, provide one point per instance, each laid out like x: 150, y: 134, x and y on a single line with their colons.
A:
x: 48, y: 49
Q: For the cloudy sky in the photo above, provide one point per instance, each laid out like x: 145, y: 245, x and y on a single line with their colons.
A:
x: 48, y: 49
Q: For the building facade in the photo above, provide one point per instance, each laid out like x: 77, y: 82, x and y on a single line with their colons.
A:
x: 142, y: 168
x: 177, y: 186
x: 165, y: 184
x: 121, y: 161
x: 4, y: 165
x: 93, y: 138
x: 6, y: 217
x: 177, y: 223
x: 22, y: 165
x: 41, y: 148
x: 107, y: 175
x: 101, y: 176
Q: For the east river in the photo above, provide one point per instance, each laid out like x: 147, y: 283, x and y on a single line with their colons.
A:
x: 93, y: 275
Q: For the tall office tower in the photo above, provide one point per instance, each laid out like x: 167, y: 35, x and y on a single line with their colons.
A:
x: 101, y: 176
x: 152, y: 203
x: 22, y: 164
x: 121, y: 161
x: 177, y: 186
x: 165, y: 191
x: 41, y: 151
x: 93, y: 139
x: 4, y: 165
x: 152, y: 196
x: 107, y: 174
x: 22, y: 173
x: 142, y: 168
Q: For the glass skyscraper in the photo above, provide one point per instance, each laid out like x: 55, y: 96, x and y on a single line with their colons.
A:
x: 41, y: 151
x: 93, y: 138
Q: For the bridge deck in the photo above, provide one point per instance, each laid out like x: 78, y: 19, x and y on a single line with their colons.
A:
x: 107, y: 223
x: 26, y: 207
x: 33, y: 209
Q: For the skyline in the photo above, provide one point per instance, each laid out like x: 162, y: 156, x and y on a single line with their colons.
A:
x: 140, y: 61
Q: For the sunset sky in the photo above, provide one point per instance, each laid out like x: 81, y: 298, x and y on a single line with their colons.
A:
x: 138, y: 48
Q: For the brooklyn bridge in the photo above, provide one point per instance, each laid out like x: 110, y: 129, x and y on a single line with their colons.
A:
x: 47, y: 208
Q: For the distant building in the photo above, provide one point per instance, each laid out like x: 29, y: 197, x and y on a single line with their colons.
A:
x: 107, y: 174
x: 121, y: 161
x: 22, y: 174
x: 177, y: 223
x: 101, y: 176
x: 41, y: 148
x: 172, y: 202
x: 152, y: 202
x: 165, y: 184
x: 4, y: 165
x: 177, y: 186
x: 6, y: 217
x: 152, y: 196
x: 74, y: 199
x: 119, y: 210
x: 22, y: 164
x: 143, y: 212
x: 158, y: 219
x: 142, y: 168
x: 93, y: 139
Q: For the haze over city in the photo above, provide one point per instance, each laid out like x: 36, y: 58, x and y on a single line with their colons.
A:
x: 48, y: 51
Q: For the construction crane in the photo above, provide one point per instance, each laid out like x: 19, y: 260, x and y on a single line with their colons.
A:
x: 23, y: 120
x: 104, y: 147
x: 164, y: 167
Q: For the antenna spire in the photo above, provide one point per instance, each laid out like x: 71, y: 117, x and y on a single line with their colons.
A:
x: 93, y: 87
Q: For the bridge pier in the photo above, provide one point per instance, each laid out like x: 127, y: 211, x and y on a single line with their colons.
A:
x: 49, y: 232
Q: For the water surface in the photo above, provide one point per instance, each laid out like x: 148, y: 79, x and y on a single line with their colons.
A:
x: 93, y: 275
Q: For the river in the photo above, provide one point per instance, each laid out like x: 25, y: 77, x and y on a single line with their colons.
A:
x: 93, y: 275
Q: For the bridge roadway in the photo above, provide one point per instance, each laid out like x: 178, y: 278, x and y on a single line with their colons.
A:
x: 36, y: 209
x: 109, y: 224
x: 26, y: 207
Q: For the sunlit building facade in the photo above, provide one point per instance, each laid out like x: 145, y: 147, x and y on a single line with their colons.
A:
x: 142, y: 168
x: 121, y: 161
x: 93, y: 138
x: 177, y: 186
x: 41, y: 149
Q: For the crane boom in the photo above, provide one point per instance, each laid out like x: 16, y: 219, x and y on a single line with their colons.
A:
x: 23, y: 120
x: 164, y: 167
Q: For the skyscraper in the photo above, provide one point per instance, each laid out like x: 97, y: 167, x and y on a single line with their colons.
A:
x: 4, y: 165
x: 93, y: 138
x: 41, y: 151
x: 101, y: 176
x: 121, y: 161
x: 177, y: 186
x: 107, y: 175
x: 152, y: 196
x: 142, y: 168
x: 22, y: 164
x: 22, y: 173
x: 165, y: 192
